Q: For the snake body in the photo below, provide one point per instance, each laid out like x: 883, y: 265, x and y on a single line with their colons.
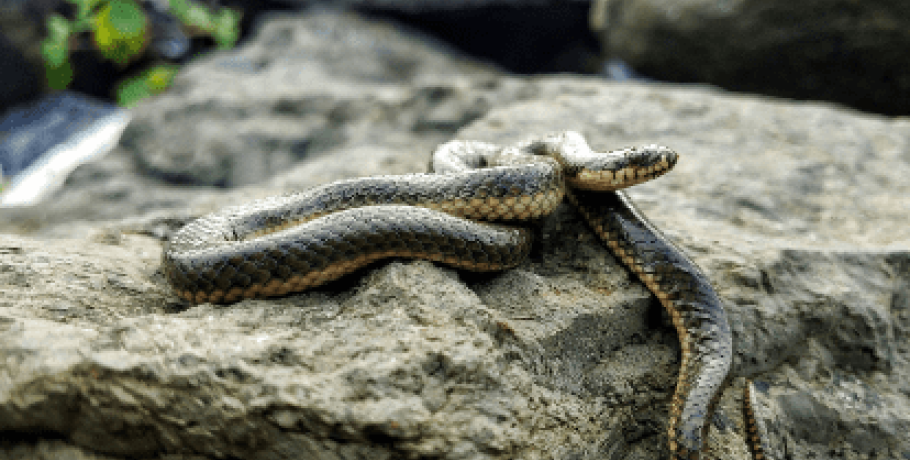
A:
x: 291, y: 243
x: 686, y: 293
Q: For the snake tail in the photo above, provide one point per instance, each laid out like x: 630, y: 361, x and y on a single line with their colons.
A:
x: 756, y: 432
x: 686, y: 293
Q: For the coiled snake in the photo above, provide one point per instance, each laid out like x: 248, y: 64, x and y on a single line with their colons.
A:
x: 287, y: 244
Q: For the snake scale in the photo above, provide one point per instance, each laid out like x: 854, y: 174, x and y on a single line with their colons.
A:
x: 290, y: 243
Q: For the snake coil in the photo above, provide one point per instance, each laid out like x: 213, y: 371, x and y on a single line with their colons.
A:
x: 287, y: 244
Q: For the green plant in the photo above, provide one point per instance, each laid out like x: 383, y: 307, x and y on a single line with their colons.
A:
x: 120, y: 32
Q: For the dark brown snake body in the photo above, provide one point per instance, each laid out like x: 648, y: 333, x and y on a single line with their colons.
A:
x: 288, y: 244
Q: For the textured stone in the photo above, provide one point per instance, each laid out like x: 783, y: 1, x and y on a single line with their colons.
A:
x: 836, y: 50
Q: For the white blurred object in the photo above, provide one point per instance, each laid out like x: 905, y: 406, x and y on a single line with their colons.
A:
x: 49, y: 139
x: 617, y: 69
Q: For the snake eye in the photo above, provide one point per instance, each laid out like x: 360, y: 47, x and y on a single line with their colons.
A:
x: 659, y: 157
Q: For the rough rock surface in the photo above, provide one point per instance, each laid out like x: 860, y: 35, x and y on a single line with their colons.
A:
x: 841, y: 50
x: 796, y: 211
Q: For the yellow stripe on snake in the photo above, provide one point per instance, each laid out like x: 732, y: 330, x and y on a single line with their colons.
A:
x: 291, y: 243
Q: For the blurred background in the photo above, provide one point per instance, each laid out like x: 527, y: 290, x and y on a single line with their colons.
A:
x: 70, y: 68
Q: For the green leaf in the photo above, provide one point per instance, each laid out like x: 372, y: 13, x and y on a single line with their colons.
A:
x: 227, y: 28
x: 152, y: 81
x: 54, y: 52
x: 180, y: 8
x: 120, y: 30
x: 199, y: 16
x: 58, y: 77
x: 58, y: 28
x: 132, y: 90
x: 126, y: 17
x: 160, y: 77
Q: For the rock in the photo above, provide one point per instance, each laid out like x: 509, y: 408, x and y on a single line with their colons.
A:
x: 842, y: 51
x: 797, y: 212
x: 298, y: 90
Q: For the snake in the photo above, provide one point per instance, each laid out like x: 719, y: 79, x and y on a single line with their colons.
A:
x: 464, y: 214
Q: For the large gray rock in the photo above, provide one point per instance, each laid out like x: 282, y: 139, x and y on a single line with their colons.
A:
x: 796, y: 211
x: 850, y: 52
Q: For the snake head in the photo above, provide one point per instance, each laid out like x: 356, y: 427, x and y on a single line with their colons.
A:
x: 624, y: 168
x: 589, y: 170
